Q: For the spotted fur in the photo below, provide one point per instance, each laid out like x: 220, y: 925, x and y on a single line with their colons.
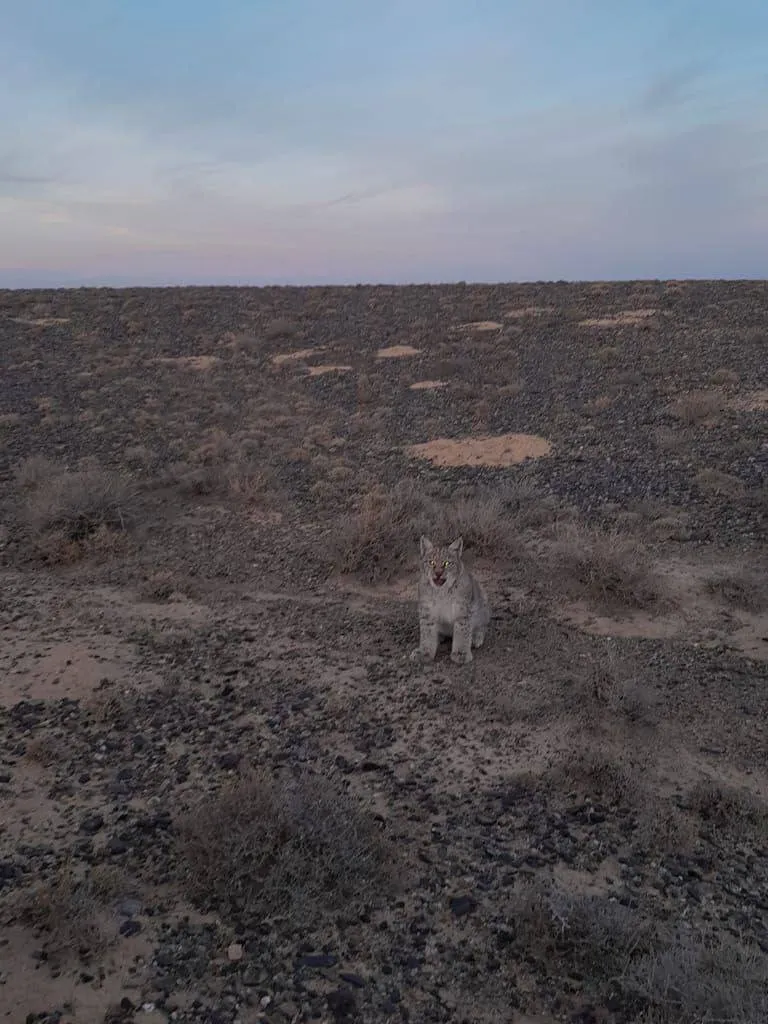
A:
x: 452, y: 603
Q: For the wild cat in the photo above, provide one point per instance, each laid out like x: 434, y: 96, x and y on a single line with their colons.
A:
x: 451, y: 603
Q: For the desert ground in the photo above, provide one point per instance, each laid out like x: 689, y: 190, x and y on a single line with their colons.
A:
x: 228, y: 794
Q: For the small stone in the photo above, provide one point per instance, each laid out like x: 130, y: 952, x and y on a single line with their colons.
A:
x: 130, y: 927
x: 461, y: 905
x: 230, y: 760
x: 342, y: 1003
x: 91, y: 824
x: 352, y: 979
x: 129, y: 908
x: 318, y: 960
x: 235, y: 952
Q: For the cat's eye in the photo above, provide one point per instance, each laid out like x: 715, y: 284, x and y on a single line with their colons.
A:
x: 432, y: 562
x: 446, y: 564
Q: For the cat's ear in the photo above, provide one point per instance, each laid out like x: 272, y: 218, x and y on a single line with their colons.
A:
x: 425, y: 545
x: 457, y: 547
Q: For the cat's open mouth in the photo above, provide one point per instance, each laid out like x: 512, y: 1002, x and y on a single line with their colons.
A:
x: 438, y: 580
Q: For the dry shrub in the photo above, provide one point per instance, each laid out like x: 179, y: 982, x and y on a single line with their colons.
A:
x: 606, y: 354
x: 301, y: 847
x: 590, y: 933
x: 724, y: 376
x: 610, y: 570
x: 280, y: 328
x: 366, y: 390
x: 240, y: 478
x: 484, y: 521
x: 697, y: 407
x: 728, y: 809
x: 698, y: 978
x: 600, y: 404
x: 714, y: 481
x: 612, y: 684
x: 382, y: 538
x: 655, y: 973
x: 70, y: 907
x: 610, y: 776
x: 669, y: 438
x: 72, y: 506
x: 742, y: 589
x: 158, y: 586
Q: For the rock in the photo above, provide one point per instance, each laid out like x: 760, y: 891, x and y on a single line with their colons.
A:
x: 318, y: 960
x: 130, y: 927
x: 91, y: 824
x: 462, y: 905
x: 115, y: 846
x: 352, y: 979
x: 235, y: 952
x: 342, y: 1003
x: 129, y: 907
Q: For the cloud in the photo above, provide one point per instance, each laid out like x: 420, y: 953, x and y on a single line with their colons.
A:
x: 463, y: 147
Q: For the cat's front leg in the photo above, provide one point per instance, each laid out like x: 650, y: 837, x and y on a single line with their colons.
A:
x: 461, y: 648
x: 428, y: 639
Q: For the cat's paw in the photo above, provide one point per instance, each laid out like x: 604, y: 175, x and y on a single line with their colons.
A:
x: 461, y: 657
x: 478, y: 639
x: 421, y: 656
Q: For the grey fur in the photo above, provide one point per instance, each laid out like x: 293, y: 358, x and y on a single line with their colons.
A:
x: 458, y: 608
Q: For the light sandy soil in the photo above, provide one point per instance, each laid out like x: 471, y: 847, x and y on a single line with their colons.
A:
x: 503, y: 450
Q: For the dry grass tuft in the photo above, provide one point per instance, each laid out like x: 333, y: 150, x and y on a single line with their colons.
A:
x: 745, y: 590
x: 696, y: 978
x: 591, y: 933
x: 70, y: 908
x: 729, y: 809
x: 59, y: 508
x: 608, y: 569
x: 382, y: 539
x: 599, y: 773
x: 655, y: 973
x: 298, y: 848
x: 697, y: 407
x: 280, y: 328
x: 725, y: 376
x: 714, y: 481
x: 220, y: 467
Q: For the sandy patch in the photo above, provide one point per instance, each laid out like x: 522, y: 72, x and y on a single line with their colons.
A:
x: 38, y: 671
x: 323, y: 368
x: 31, y: 987
x: 514, y: 314
x: 199, y: 363
x: 293, y: 357
x: 752, y: 401
x: 502, y: 450
x: 479, y: 325
x: 43, y: 321
x: 397, y: 352
x: 428, y: 385
x: 625, y: 318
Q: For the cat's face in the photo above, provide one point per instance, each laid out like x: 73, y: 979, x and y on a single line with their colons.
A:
x: 441, y: 565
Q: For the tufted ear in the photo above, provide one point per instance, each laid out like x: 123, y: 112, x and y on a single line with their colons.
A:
x: 425, y: 546
x: 457, y: 547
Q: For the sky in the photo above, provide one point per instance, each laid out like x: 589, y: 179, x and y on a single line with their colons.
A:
x: 347, y: 141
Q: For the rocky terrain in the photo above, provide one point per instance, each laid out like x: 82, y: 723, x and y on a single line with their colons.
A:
x: 227, y: 793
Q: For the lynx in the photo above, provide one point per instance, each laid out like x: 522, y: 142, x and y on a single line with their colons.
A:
x: 451, y: 603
